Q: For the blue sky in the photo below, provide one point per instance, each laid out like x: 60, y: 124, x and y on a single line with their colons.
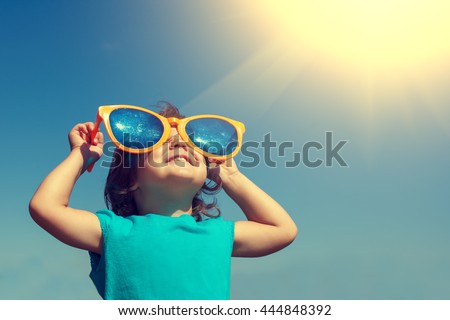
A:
x: 377, y: 229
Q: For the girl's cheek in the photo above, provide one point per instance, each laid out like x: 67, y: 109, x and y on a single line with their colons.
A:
x: 154, y: 158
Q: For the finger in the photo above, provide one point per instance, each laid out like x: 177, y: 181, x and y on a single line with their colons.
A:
x: 81, y: 130
x: 90, y: 126
x: 218, y: 162
x: 78, y: 128
x: 99, y: 138
x: 214, y: 164
x: 82, y: 134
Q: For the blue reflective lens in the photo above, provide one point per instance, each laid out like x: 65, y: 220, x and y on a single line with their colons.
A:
x: 213, y: 135
x: 135, y: 129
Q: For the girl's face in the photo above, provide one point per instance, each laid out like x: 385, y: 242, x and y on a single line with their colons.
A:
x: 173, y: 165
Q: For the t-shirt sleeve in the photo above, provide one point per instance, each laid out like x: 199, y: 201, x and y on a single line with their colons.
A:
x: 225, y: 230
x: 229, y: 231
x: 105, y: 218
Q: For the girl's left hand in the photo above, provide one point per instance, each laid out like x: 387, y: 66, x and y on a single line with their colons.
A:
x: 225, y: 169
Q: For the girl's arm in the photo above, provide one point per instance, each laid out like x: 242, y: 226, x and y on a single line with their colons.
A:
x: 269, y: 227
x: 49, y: 206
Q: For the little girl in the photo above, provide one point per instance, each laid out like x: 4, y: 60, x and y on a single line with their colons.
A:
x: 155, y: 242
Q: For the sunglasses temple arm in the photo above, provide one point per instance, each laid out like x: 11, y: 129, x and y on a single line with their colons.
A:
x: 94, y: 132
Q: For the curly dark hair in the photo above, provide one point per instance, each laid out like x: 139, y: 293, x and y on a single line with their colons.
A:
x: 122, y: 177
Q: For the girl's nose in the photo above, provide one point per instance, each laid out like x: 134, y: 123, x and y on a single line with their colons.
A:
x: 175, y: 141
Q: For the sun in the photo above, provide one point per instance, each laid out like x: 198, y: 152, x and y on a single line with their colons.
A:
x: 368, y: 58
x: 374, y: 37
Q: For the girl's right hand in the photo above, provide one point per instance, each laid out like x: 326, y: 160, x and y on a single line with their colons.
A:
x: 80, y: 137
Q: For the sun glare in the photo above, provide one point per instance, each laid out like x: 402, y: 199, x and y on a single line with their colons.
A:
x: 370, y: 36
x: 370, y: 55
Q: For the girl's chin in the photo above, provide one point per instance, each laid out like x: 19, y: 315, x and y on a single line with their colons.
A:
x: 175, y: 171
x: 184, y: 170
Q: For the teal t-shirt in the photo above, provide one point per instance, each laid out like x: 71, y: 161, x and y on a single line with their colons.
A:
x: 159, y: 257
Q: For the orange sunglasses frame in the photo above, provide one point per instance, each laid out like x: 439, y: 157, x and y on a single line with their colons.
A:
x: 104, y: 112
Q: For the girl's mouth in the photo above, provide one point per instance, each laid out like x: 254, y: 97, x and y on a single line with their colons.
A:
x: 180, y: 157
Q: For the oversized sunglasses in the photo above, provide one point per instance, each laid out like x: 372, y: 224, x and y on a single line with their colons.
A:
x: 137, y: 130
